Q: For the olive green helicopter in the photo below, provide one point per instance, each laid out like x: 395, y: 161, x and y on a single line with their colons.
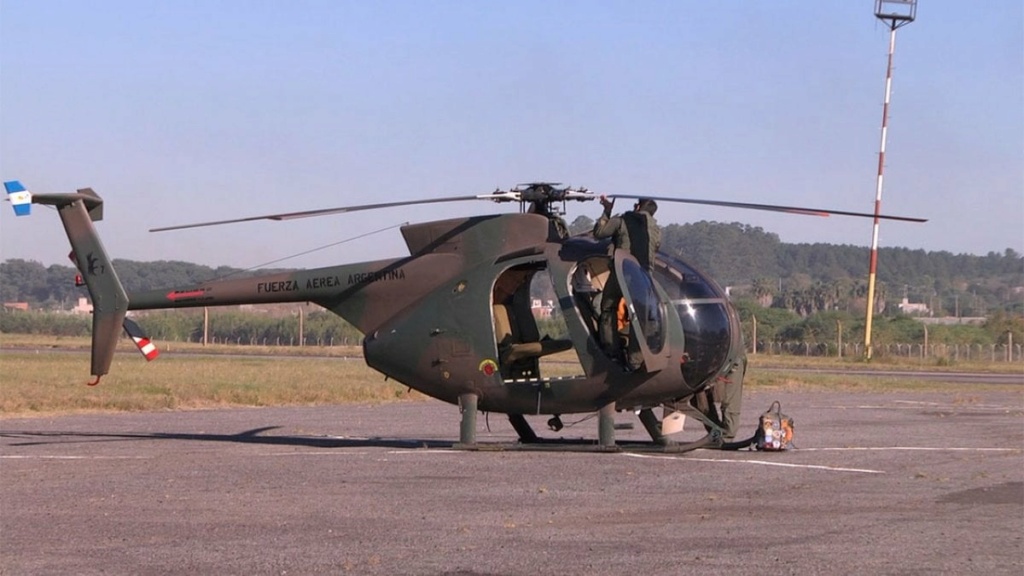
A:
x: 453, y: 318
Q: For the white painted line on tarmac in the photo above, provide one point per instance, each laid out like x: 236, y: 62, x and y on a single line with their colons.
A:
x: 1008, y: 410
x: 342, y: 451
x: 909, y: 448
x: 31, y: 457
x: 959, y: 405
x: 425, y: 451
x: 324, y: 452
x: 760, y: 463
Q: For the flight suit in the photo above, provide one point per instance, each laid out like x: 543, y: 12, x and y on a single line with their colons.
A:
x: 636, y: 232
x: 729, y: 393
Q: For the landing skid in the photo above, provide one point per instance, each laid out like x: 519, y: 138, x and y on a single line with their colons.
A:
x: 582, y: 445
x: 529, y: 440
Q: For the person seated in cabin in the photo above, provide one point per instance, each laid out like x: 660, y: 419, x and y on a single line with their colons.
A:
x: 585, y: 288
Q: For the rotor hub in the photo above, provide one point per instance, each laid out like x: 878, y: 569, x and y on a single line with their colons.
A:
x: 539, y: 197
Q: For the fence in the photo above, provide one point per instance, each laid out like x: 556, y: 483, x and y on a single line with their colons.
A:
x: 956, y: 352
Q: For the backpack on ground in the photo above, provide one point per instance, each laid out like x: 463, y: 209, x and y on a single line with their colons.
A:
x: 775, y: 430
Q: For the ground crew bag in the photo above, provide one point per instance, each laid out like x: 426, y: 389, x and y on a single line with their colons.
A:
x: 775, y: 430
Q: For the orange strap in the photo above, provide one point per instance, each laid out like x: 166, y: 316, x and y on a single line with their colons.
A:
x: 623, y: 315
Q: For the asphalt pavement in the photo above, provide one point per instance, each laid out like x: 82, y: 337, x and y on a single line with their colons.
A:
x: 880, y: 483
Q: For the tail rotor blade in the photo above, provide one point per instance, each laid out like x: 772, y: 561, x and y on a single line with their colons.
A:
x: 141, y: 340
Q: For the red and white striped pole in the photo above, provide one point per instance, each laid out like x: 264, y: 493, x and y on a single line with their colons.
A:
x: 873, y: 263
x: 895, y: 13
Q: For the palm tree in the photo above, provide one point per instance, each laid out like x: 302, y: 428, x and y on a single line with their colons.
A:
x: 763, y: 292
x: 881, y: 291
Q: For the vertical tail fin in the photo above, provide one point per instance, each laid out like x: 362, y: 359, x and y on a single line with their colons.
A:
x: 110, y: 302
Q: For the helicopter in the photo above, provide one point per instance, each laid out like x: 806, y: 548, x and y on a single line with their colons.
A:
x: 453, y: 320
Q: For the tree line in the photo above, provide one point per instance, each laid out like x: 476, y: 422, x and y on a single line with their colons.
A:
x: 777, y: 325
x: 803, y: 278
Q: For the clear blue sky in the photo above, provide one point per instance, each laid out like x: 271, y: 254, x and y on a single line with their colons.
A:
x: 185, y: 111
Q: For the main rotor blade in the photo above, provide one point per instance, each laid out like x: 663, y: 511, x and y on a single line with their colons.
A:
x: 325, y: 212
x: 772, y: 208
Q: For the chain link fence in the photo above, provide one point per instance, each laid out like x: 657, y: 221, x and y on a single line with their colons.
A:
x: 954, y: 352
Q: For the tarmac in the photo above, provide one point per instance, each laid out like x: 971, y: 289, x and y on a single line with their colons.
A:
x: 879, y: 483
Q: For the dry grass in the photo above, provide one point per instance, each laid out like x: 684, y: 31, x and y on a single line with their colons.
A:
x: 807, y: 382
x: 54, y: 382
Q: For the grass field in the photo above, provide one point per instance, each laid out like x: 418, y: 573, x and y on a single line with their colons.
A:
x: 45, y: 375
x: 54, y: 382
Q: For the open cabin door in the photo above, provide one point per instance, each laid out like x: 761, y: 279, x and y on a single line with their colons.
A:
x: 518, y: 339
x: 646, y: 312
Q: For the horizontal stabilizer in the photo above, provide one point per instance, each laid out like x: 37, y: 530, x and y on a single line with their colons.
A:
x: 19, y: 197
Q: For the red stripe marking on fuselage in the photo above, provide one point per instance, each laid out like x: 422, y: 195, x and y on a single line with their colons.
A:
x: 175, y: 295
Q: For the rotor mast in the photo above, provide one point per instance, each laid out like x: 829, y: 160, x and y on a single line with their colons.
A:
x: 895, y: 14
x: 539, y: 197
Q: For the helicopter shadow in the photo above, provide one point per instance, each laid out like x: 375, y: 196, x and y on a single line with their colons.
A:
x: 253, y: 436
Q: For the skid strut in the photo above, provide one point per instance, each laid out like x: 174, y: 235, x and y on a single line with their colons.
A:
x: 653, y: 426
x: 606, y: 426
x: 523, y: 428
x: 467, y: 427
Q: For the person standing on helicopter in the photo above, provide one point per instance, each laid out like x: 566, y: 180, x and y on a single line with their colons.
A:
x: 636, y: 232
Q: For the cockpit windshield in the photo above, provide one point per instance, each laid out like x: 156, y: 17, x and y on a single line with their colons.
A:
x: 703, y: 310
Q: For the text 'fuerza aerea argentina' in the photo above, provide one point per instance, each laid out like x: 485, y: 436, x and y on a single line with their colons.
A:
x: 318, y: 282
